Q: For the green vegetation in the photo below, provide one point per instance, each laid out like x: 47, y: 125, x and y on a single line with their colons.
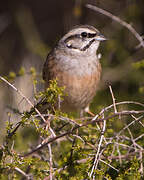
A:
x: 113, y: 151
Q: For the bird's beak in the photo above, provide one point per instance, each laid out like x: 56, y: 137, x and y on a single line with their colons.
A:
x: 100, y: 37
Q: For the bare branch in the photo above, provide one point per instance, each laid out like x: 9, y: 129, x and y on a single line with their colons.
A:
x: 85, y: 124
x: 117, y: 19
x: 120, y: 103
x: 28, y: 177
x: 109, y: 165
x: 96, y: 161
x: 113, y: 98
x: 27, y: 100
x: 136, y: 119
x: 21, y: 94
x: 127, y: 156
x: 51, y: 163
x: 119, y: 154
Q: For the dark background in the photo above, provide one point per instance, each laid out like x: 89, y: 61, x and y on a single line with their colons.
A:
x: 29, y: 29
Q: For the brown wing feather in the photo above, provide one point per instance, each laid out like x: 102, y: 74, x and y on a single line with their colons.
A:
x: 48, y: 65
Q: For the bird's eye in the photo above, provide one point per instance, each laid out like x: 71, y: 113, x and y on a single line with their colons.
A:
x: 84, y: 34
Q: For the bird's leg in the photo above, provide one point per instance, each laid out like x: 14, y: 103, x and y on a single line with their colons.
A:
x: 81, y: 113
x: 88, y: 111
x: 92, y: 114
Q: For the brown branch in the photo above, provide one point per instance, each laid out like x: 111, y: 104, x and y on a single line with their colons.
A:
x: 127, y: 156
x: 135, y: 120
x: 117, y: 19
x: 76, y: 127
x: 120, y: 103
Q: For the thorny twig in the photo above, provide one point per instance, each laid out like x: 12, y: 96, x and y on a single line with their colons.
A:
x: 28, y: 101
x: 119, y: 153
x: 103, y: 142
x: 113, y: 98
x: 95, y: 164
x: 82, y: 125
x: 109, y: 165
x: 28, y: 177
x: 50, y: 162
x: 127, y: 156
x: 125, y: 127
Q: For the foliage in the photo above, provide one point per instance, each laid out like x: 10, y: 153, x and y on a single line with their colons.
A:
x: 73, y: 156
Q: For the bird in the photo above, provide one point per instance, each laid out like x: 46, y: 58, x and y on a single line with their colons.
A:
x: 74, y: 62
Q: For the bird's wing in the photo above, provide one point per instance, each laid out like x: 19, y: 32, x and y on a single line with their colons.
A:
x: 47, y: 67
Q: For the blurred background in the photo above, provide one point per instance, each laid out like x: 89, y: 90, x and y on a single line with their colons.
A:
x: 29, y: 29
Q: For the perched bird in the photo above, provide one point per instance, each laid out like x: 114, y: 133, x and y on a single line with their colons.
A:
x: 75, y: 64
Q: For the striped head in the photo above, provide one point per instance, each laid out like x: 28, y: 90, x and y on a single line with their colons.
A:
x: 82, y: 40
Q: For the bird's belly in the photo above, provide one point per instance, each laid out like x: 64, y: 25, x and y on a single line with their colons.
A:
x: 79, y: 90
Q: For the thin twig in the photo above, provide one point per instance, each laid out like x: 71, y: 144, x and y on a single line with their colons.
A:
x: 136, y: 139
x: 117, y: 19
x: 28, y: 101
x: 113, y: 99
x: 21, y: 94
x: 79, y: 138
x: 132, y: 139
x: 51, y: 162
x: 85, y: 124
x: 127, y: 156
x: 119, y: 153
x: 129, y: 139
x: 95, y: 164
x: 109, y: 165
x: 16, y: 128
x: 136, y: 119
x: 124, y: 145
x: 23, y: 173
x: 141, y: 124
x: 141, y: 164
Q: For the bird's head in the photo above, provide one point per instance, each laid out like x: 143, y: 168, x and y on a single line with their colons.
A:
x: 82, y: 39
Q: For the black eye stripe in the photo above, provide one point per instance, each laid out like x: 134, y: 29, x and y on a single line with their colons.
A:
x: 87, y: 35
x: 88, y: 45
x: 91, y: 35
